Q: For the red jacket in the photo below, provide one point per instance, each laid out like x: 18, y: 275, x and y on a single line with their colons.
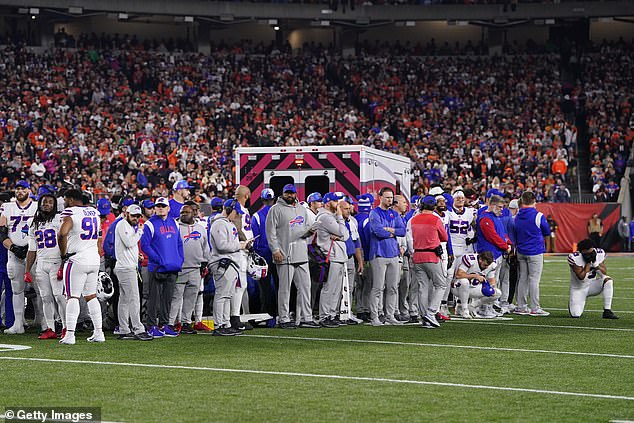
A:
x: 427, y: 232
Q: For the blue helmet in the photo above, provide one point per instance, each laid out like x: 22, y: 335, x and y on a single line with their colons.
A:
x: 487, y: 289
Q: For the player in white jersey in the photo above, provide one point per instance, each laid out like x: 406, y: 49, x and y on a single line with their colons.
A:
x: 15, y: 219
x: 588, y: 278
x: 239, y: 298
x: 447, y: 258
x: 474, y: 271
x: 80, y: 247
x: 43, y: 247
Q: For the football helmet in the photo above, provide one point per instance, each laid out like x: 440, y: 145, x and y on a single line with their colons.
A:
x: 487, y: 289
x: 105, y: 287
x: 257, y: 267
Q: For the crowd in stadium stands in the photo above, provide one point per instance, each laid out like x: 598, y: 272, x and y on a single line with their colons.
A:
x: 135, y: 121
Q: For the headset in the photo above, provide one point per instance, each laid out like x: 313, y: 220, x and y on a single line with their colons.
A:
x: 232, y: 205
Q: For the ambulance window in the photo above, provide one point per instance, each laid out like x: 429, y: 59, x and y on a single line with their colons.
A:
x: 277, y: 183
x: 320, y: 184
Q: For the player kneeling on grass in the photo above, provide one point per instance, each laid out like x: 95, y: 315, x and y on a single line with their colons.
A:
x: 588, y: 278
x: 475, y: 281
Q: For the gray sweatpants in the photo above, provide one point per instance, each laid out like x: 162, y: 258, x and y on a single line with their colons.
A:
x: 298, y: 274
x: 331, y: 291
x: 185, y: 296
x: 530, y: 272
x: 407, y: 291
x: 225, y: 281
x: 363, y: 289
x: 385, y: 278
x: 431, y: 286
x: 503, y: 281
x: 160, y: 298
x: 129, y: 302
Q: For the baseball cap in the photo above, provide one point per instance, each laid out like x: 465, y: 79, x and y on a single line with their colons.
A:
x: 126, y: 202
x: 267, y: 194
x: 289, y: 188
x: 147, y: 204
x: 181, y: 185
x: 103, y: 206
x: 315, y: 196
x: 232, y: 202
x: 435, y: 191
x: 162, y: 201
x: 414, y: 199
x: 493, y: 191
x: 134, y: 209
x: 45, y: 190
x: 514, y: 204
x: 332, y: 196
x: 216, y: 202
x: 22, y: 184
x: 429, y: 200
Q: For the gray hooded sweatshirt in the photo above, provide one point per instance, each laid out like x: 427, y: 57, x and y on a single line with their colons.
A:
x: 195, y: 246
x: 286, y: 230
x: 328, y: 224
x: 223, y: 236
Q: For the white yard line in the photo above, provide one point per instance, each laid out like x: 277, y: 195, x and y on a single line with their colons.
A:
x: 545, y: 326
x: 567, y: 296
x: 420, y: 344
x: 591, y: 311
x: 550, y: 285
x: 328, y: 376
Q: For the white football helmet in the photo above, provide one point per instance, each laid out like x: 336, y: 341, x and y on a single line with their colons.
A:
x: 105, y: 287
x: 257, y: 267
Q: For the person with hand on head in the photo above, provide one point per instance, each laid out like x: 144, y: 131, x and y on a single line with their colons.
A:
x: 287, y: 231
x: 163, y: 245
x: 127, y: 235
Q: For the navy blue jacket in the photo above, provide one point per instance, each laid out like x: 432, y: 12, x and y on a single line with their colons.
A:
x: 531, y: 227
x: 163, y: 245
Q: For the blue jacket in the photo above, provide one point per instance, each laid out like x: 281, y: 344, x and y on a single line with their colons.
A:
x: 531, y: 227
x: 382, y: 242
x: 364, y: 233
x: 408, y: 216
x: 351, y: 246
x: 162, y: 243
x: 484, y: 244
x: 258, y: 226
x: 175, y: 208
x: 4, y: 257
x: 509, y: 225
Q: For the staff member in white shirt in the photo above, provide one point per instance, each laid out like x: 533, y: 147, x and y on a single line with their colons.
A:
x: 126, y: 245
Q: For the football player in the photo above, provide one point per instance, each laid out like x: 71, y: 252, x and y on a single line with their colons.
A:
x: 588, y: 278
x: 79, y: 241
x: 475, y: 280
x: 15, y: 219
x: 43, y: 246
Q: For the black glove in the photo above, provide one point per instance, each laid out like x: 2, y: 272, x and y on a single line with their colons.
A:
x: 450, y: 260
x: 20, y: 252
x: 470, y: 241
x: 590, y: 256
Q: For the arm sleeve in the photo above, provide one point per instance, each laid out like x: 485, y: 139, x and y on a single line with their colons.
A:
x: 399, y: 226
x: 488, y: 230
x: 376, y: 226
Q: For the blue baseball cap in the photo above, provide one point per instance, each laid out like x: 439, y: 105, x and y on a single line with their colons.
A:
x: 289, y: 188
x: 414, y: 199
x: 332, y: 196
x: 429, y: 200
x: 216, y: 202
x: 127, y: 201
x: 493, y: 191
x: 22, y: 184
x: 181, y: 185
x: 45, y: 190
x: 315, y: 196
x: 233, y: 203
x: 267, y: 194
x: 147, y: 204
x: 103, y: 206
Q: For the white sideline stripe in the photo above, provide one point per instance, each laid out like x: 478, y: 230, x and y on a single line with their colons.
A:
x: 544, y: 326
x: 419, y: 344
x: 3, y: 416
x: 10, y: 347
x: 592, y: 311
x: 621, y: 421
x: 326, y: 376
x: 561, y: 295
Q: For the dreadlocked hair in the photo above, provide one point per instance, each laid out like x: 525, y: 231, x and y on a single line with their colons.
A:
x: 42, y: 218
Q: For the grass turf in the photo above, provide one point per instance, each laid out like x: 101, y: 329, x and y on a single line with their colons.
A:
x: 132, y: 394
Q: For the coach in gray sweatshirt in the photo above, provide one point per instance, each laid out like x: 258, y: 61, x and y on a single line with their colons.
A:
x: 286, y: 231
x: 331, y: 236
x: 196, y: 252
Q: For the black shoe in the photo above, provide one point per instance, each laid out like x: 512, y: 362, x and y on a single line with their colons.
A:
x: 382, y: 318
x: 328, y: 323
x: 338, y: 321
x: 235, y: 331
x: 126, y: 337
x: 311, y: 324
x: 237, y: 324
x: 287, y: 325
x: 247, y: 326
x: 143, y: 336
x: 187, y: 329
x: 608, y: 314
x: 351, y: 322
x: 413, y: 319
x: 364, y: 316
x: 224, y: 332
x: 402, y: 317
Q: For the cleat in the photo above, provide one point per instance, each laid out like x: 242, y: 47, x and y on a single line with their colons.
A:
x: 608, y: 314
x: 443, y: 317
x: 97, y: 337
x: 427, y: 325
x: 393, y: 322
x: 117, y: 331
x: 329, y: 323
x: 522, y: 311
x: 200, y: 326
x: 178, y: 326
x: 311, y: 324
x: 14, y: 330
x: 444, y: 310
x: 376, y: 322
x: 287, y: 325
x: 48, y: 334
x: 224, y: 332
x: 431, y: 319
x: 68, y: 340
x: 539, y: 312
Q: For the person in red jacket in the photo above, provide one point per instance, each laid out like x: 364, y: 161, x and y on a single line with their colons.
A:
x: 425, y: 232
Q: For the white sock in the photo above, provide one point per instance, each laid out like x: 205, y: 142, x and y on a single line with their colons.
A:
x: 94, y: 309
x: 608, y: 292
x: 18, y: 309
x: 49, y: 312
x: 198, y: 310
x: 72, y: 312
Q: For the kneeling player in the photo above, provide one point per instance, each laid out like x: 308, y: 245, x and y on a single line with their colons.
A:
x: 588, y: 278
x: 475, y: 280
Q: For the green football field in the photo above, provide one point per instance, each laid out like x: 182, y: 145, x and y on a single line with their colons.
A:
x: 529, y: 369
